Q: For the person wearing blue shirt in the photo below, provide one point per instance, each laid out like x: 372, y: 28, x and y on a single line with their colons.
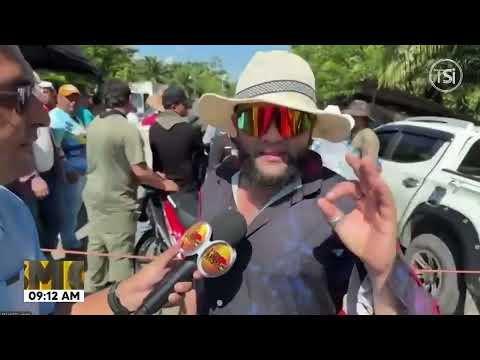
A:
x: 21, y: 115
x: 84, y: 115
x: 69, y: 134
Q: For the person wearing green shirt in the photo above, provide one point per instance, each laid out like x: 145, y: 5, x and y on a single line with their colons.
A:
x: 115, y: 167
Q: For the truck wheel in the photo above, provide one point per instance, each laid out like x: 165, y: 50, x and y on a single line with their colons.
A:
x: 431, y: 252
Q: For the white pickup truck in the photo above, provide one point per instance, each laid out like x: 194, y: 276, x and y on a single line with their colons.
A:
x: 432, y: 166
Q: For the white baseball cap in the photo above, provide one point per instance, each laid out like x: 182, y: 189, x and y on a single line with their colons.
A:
x: 46, y: 85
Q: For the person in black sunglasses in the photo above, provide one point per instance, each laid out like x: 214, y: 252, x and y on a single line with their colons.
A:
x: 20, y: 116
x: 38, y: 189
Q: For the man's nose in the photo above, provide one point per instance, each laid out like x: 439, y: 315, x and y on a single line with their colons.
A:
x: 272, y: 135
x: 35, y: 114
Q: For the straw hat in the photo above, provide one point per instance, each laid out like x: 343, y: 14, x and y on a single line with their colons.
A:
x: 279, y: 78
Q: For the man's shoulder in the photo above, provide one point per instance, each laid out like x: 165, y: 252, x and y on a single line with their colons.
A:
x: 314, y: 172
x: 368, y: 132
x: 58, y: 117
x: 365, y: 134
x: 10, y: 201
x: 169, y: 120
x: 318, y: 180
x: 56, y: 111
x: 225, y: 170
x: 14, y: 212
x: 111, y: 123
x: 155, y: 126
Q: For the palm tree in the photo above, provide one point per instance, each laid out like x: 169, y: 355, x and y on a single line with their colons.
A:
x: 402, y: 64
x: 407, y: 68
x: 153, y: 69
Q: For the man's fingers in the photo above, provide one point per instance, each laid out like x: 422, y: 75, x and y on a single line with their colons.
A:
x: 330, y: 211
x: 41, y: 196
x: 375, y: 183
x: 354, y: 163
x: 386, y: 200
x: 183, y: 287
x: 174, y: 299
x: 163, y: 260
x: 369, y: 174
x: 197, y: 275
x: 346, y: 188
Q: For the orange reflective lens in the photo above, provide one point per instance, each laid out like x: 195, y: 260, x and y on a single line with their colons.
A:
x: 216, y: 259
x: 255, y: 120
x: 195, y: 237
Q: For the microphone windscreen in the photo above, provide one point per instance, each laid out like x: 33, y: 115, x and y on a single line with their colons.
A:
x: 230, y: 227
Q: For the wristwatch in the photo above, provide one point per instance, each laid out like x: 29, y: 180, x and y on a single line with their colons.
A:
x: 114, y: 302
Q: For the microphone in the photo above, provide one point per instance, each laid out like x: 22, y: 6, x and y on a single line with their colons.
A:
x: 211, y: 258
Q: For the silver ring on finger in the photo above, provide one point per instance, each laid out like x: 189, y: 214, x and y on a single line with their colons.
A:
x: 336, y: 220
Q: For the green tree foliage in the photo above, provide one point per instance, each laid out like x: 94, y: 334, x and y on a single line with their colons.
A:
x: 113, y: 61
x: 339, y: 70
x: 121, y: 62
x: 152, y: 69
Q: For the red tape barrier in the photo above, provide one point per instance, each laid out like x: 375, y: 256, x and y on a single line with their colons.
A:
x: 138, y: 257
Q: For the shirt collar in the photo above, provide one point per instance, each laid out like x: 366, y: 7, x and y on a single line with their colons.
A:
x: 287, y: 190
x: 169, y: 119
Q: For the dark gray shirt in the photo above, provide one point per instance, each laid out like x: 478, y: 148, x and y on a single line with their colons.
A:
x: 290, y: 261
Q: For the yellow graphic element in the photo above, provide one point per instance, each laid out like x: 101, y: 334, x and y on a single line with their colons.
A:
x: 195, y: 236
x: 216, y: 259
x: 53, y: 275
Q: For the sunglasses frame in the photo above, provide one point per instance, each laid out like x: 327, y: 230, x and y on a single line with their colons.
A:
x: 243, y: 107
x: 23, y: 95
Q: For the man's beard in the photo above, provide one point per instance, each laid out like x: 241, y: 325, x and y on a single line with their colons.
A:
x: 257, y: 179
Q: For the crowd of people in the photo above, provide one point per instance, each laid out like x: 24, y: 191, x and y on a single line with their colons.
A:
x: 315, y: 244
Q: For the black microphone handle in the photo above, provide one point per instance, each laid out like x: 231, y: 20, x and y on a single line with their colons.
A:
x: 182, y: 271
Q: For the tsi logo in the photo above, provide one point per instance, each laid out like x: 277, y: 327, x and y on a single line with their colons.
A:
x: 445, y: 75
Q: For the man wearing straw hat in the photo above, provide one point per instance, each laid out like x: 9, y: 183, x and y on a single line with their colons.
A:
x: 311, y: 236
x: 364, y: 139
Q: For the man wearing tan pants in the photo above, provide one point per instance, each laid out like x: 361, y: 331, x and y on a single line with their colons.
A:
x: 116, y: 166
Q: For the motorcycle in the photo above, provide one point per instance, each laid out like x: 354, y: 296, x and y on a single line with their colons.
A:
x: 169, y: 216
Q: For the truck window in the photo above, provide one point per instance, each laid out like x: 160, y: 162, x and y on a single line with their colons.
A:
x: 385, y: 139
x: 137, y: 101
x: 471, y: 162
x: 416, y: 148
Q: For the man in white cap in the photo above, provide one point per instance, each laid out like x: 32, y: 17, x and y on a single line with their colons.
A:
x: 50, y: 94
x: 310, y: 235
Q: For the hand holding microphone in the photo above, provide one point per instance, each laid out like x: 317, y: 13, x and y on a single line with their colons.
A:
x: 134, y: 290
x: 211, y: 258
